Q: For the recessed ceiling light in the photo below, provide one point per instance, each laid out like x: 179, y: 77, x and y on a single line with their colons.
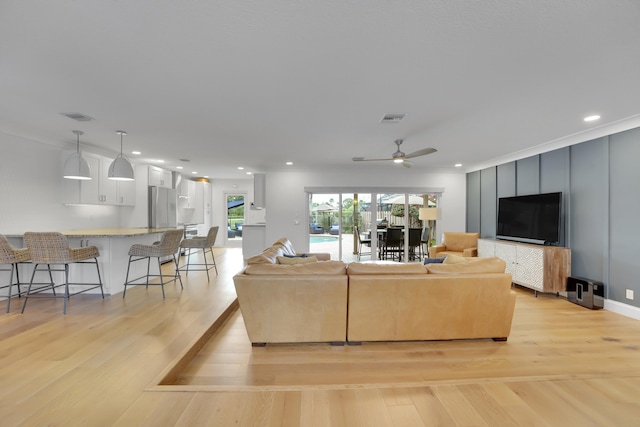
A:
x: 160, y: 161
x: 289, y: 163
x: 136, y: 152
x: 240, y: 168
x: 179, y: 167
x: 457, y: 165
x: 206, y: 176
x: 249, y: 173
x: 195, y: 173
x: 591, y: 118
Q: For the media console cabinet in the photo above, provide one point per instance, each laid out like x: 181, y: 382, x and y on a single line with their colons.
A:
x: 541, y: 268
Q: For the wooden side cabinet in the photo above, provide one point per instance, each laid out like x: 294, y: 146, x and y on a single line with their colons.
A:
x: 541, y: 268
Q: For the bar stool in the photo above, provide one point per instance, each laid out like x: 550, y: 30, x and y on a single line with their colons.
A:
x: 204, y: 243
x: 12, y: 256
x: 52, y: 248
x: 167, y: 246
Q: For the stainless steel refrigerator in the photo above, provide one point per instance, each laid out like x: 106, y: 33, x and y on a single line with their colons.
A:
x: 162, y: 207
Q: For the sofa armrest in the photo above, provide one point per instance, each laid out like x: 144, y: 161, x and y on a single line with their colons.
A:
x: 433, y: 250
x: 470, y: 252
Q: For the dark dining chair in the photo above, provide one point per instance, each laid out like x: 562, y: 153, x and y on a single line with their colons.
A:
x: 415, y: 244
x: 393, y: 244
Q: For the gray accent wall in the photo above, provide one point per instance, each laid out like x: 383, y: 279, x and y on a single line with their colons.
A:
x: 473, y: 202
x: 488, y: 202
x: 528, y: 176
x: 624, y: 205
x: 589, y: 204
x: 507, y: 180
x: 600, y: 182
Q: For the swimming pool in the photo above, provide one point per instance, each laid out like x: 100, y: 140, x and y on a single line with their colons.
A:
x: 322, y: 239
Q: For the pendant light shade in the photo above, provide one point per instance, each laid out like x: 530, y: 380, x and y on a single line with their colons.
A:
x: 76, y: 167
x: 121, y: 169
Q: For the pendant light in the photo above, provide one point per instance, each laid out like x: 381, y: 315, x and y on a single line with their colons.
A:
x: 121, y: 169
x: 76, y: 167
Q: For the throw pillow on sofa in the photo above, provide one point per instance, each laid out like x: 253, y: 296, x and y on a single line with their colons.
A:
x: 433, y: 260
x: 296, y: 260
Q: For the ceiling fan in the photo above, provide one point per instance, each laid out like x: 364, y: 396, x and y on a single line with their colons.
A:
x: 399, y: 156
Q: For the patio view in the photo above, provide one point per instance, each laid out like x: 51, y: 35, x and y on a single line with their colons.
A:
x: 235, y: 216
x: 334, y: 218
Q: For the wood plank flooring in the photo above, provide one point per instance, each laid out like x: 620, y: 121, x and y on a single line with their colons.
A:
x: 100, y: 365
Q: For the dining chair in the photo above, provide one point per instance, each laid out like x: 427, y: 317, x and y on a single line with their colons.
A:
x: 361, y: 242
x: 201, y: 243
x: 425, y: 240
x: 167, y: 246
x: 51, y: 249
x: 12, y: 257
x: 393, y: 244
x: 415, y: 245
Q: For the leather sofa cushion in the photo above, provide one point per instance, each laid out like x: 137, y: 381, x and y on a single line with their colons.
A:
x: 321, y: 268
x: 455, y: 259
x: 382, y: 267
x: 268, y: 256
x: 473, y: 266
x: 286, y: 245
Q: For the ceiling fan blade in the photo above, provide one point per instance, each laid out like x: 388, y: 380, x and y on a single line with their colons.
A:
x: 407, y: 164
x: 362, y: 159
x: 419, y: 153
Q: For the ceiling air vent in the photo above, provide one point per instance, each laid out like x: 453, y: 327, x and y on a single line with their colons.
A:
x: 392, y: 118
x: 78, y: 117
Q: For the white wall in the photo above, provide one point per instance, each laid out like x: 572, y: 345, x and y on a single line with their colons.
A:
x: 286, y: 201
x: 32, y: 193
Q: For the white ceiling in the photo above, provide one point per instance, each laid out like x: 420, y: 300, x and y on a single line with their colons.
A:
x: 255, y: 83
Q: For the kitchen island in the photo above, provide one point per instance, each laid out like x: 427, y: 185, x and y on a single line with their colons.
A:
x: 114, y: 244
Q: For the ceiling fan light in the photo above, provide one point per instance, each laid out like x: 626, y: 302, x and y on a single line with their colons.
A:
x: 77, y: 168
x: 398, y: 160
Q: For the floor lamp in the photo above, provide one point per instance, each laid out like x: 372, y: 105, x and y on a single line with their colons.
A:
x: 430, y: 215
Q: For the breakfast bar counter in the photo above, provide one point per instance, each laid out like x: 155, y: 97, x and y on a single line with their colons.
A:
x: 114, y: 244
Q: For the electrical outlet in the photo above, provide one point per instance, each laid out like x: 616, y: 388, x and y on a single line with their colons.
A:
x: 630, y: 294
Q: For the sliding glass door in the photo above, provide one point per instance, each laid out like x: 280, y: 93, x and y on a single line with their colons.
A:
x: 351, y: 227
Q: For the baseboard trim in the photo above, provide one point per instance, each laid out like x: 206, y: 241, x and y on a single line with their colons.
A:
x: 622, y: 308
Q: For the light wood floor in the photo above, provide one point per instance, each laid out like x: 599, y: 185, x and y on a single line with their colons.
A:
x: 101, y: 365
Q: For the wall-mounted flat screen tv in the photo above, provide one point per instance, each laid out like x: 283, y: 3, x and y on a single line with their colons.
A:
x: 532, y: 219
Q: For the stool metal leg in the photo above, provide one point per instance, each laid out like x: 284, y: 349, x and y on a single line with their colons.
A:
x: 126, y: 280
x: 161, y: 278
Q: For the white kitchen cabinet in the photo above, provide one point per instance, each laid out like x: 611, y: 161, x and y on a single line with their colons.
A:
x: 198, y: 203
x: 108, y: 187
x: 159, y: 177
x: 126, y: 195
x: 541, y: 268
x: 99, y: 190
x: 186, y: 193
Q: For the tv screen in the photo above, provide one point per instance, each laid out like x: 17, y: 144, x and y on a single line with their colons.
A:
x: 533, y: 219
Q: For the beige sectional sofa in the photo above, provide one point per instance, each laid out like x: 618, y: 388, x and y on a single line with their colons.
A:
x: 408, y: 302
x: 292, y: 303
x: 328, y: 301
